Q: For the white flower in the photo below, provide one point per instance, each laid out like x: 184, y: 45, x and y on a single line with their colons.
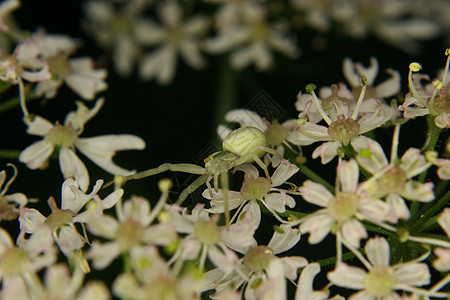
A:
x: 389, y: 20
x: 10, y: 205
x: 344, y: 125
x: 254, y: 189
x: 262, y: 274
x: 252, y: 41
x: 65, y: 138
x: 6, y: 8
x: 23, y: 63
x: 305, y: 285
x: 77, y: 73
x: 61, y: 221
x: 173, y: 37
x: 113, y: 29
x: 381, y: 280
x: 152, y: 278
x: 27, y: 259
x: 342, y: 211
x: 433, y: 99
x: 354, y: 71
x: 442, y: 263
x: 131, y: 230
x: 206, y: 237
x: 395, y: 182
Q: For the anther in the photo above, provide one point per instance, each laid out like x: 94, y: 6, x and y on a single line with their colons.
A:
x: 310, y: 87
x: 415, y: 67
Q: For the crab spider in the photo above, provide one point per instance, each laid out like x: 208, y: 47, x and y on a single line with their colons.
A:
x: 243, y: 145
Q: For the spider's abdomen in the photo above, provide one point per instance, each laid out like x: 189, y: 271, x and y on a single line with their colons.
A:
x: 245, y: 140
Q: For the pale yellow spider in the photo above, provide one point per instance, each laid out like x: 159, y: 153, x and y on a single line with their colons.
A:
x: 243, y: 145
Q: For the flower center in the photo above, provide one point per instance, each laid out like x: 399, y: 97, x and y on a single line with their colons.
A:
x: 253, y: 189
x: 207, y: 232
x: 129, y: 233
x: 59, y: 217
x: 380, y: 281
x: 174, y: 35
x: 441, y: 103
x: 258, y: 258
x: 276, y: 134
x: 393, y: 181
x: 62, y: 136
x: 14, y: 261
x: 9, y: 68
x: 343, y: 129
x: 259, y: 31
x: 343, y: 206
x: 58, y: 65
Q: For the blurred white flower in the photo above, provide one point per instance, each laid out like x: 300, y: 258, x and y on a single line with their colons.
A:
x: 113, y: 29
x: 6, y: 8
x: 65, y: 138
x: 396, y: 180
x: 62, y: 220
x: 433, y: 99
x: 24, y: 63
x: 78, y: 73
x: 343, y: 211
x: 252, y: 40
x: 394, y: 21
x: 171, y: 38
x: 381, y: 280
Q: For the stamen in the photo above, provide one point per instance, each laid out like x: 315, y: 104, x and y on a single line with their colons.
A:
x: 395, y: 140
x: 8, y: 183
x: 414, y: 67
x: 361, y: 97
x: 310, y: 89
x: 447, y: 64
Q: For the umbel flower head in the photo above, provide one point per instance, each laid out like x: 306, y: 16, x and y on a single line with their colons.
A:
x: 65, y: 138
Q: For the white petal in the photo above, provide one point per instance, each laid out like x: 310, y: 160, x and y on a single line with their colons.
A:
x: 318, y: 225
x: 30, y: 219
x: 72, y: 167
x: 353, y: 231
x: 101, y: 150
x: 39, y: 126
x: 284, y: 171
x: 327, y: 151
x: 416, y: 274
x: 245, y: 117
x: 102, y: 255
x: 35, y: 155
x: 347, y: 276
x: 285, y: 240
x: 348, y: 173
x: 378, y: 251
x: 315, y: 193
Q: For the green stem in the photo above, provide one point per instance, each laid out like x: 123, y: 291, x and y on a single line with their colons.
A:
x: 313, y: 176
x: 432, y: 138
x: 430, y: 213
x: 226, y: 91
x: 15, y: 102
x: 332, y: 260
x: 10, y: 154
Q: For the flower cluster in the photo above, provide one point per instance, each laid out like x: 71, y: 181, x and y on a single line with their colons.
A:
x: 265, y: 224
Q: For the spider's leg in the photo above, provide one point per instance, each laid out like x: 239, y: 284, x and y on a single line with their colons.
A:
x: 225, y: 189
x: 185, y: 168
x: 262, y: 166
x: 208, y: 185
x: 192, y: 187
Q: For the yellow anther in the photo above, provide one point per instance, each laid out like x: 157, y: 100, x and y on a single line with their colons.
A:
x: 310, y: 87
x: 431, y: 156
x: 363, y: 80
x: 165, y: 185
x: 438, y: 84
x: 447, y: 51
x: 415, y: 67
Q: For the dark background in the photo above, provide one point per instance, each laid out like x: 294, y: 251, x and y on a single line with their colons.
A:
x: 178, y: 121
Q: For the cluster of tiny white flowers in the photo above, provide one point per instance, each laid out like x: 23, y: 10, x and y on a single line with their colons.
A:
x: 388, y: 218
